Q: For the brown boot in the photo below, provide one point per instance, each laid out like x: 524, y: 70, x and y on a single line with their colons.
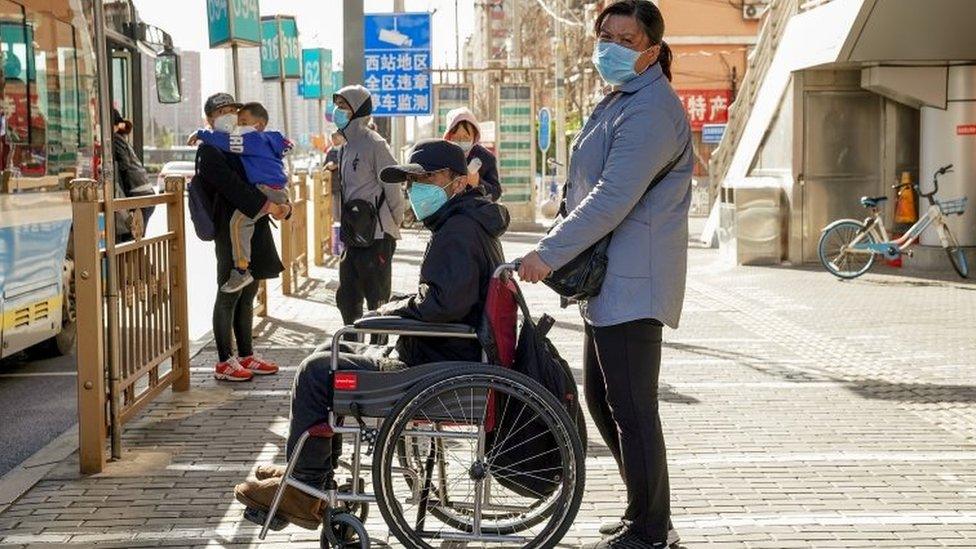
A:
x: 296, y: 507
x: 269, y: 471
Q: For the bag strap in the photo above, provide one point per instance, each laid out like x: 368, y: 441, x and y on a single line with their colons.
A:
x: 657, y: 179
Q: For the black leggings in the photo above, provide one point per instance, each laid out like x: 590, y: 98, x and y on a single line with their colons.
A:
x: 365, y: 273
x: 234, y: 313
x: 620, y: 370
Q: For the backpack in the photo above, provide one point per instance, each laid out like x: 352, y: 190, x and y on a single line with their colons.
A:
x: 528, y: 454
x: 201, y: 206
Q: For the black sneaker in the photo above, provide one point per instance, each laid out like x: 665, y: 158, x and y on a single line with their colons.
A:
x: 627, y: 539
x: 611, y: 528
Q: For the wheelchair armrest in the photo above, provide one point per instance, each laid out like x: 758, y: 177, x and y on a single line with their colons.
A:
x: 399, y: 324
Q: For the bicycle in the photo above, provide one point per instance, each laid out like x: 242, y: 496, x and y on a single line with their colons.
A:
x: 848, y: 247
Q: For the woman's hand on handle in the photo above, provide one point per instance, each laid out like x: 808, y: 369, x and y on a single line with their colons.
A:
x: 533, y: 269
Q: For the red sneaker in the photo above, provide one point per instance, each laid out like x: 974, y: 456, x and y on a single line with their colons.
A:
x: 231, y: 370
x: 259, y: 366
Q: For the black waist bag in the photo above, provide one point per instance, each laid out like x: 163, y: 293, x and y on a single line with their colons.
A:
x: 582, y: 277
x: 357, y: 227
x: 527, y: 451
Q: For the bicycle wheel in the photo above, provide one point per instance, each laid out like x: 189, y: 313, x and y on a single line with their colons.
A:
x: 478, y: 494
x: 835, y: 255
x: 956, y: 254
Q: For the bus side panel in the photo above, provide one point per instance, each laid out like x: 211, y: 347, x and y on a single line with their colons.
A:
x: 34, y: 232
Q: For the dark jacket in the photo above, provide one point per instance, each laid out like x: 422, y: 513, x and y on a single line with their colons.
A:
x: 463, y: 253
x: 131, y: 181
x: 488, y: 171
x: 223, y: 176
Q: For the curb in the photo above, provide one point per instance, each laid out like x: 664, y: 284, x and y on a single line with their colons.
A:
x: 23, y: 477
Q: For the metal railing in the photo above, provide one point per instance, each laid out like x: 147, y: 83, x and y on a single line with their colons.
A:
x: 294, y: 235
x: 144, y: 348
x: 322, y: 215
x: 777, y: 16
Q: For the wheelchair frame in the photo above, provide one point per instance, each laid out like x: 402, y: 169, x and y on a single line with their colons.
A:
x: 333, y: 496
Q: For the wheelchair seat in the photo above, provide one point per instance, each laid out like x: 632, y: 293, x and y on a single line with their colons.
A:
x: 872, y: 201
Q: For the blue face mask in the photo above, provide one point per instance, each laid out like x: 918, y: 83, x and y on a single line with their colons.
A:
x: 614, y: 62
x: 426, y: 199
x: 340, y: 117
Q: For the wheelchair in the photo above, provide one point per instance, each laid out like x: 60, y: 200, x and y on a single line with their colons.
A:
x: 445, y: 444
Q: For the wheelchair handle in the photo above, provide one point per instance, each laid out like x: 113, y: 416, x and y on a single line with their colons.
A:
x: 507, y: 268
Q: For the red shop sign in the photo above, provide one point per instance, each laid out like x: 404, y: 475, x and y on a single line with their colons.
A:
x: 706, y: 106
x: 966, y: 129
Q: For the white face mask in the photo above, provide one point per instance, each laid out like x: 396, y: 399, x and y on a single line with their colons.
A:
x: 225, y: 123
x: 465, y: 145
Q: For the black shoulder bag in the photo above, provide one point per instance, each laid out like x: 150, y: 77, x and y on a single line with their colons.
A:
x: 582, y: 277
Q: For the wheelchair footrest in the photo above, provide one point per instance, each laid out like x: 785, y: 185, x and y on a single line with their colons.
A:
x: 258, y: 516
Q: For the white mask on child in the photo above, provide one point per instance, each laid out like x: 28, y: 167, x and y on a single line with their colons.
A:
x: 225, y: 122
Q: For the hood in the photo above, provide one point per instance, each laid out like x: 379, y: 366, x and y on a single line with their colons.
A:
x: 492, y: 217
x: 361, y: 102
x: 358, y: 98
x: 462, y: 114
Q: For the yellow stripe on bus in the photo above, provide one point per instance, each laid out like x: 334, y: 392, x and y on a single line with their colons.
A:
x: 15, y: 317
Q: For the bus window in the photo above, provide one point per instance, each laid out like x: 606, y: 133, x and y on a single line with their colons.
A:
x: 54, y: 118
x: 120, y: 82
x: 13, y: 85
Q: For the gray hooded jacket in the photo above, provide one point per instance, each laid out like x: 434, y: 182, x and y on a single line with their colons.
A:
x: 361, y: 160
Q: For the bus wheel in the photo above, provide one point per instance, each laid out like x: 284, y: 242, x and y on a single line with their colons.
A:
x: 64, y: 342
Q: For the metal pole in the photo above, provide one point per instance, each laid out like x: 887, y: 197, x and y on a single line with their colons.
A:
x: 321, y: 115
x: 108, y: 185
x: 457, y: 39
x: 560, y: 97
x: 237, y: 77
x: 398, y: 124
x: 353, y: 41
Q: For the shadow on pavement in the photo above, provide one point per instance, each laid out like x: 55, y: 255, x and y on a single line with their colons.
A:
x: 914, y: 392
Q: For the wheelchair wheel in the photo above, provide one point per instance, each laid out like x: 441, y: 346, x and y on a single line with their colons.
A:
x: 358, y: 510
x: 410, y: 454
x: 470, y: 437
x: 343, y: 531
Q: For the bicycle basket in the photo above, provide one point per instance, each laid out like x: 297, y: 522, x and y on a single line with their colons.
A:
x: 954, y: 206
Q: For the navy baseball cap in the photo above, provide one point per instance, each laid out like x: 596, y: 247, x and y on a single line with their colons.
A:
x: 428, y: 155
x: 217, y: 101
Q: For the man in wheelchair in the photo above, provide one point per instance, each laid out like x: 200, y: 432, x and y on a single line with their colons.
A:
x: 462, y: 255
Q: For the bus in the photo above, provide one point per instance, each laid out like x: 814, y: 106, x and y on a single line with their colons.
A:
x: 49, y: 135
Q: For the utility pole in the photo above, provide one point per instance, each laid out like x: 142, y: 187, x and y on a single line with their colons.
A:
x: 560, y: 98
x: 353, y: 41
x: 398, y: 124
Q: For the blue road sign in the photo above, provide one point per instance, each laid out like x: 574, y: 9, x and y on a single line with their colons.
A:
x: 712, y: 133
x: 545, y: 136
x: 397, y: 63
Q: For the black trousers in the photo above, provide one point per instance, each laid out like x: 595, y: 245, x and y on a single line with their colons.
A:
x: 365, y: 273
x: 620, y: 370
x: 233, y: 314
x: 310, y: 398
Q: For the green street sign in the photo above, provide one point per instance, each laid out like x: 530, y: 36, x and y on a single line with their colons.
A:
x: 316, y: 73
x: 233, y: 22
x: 280, y: 52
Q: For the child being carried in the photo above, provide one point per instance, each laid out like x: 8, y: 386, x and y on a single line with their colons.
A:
x: 262, y: 153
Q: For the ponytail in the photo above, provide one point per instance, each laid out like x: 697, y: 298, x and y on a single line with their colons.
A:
x: 665, y: 58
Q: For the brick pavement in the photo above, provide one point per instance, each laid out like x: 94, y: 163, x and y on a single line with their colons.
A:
x: 800, y: 412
